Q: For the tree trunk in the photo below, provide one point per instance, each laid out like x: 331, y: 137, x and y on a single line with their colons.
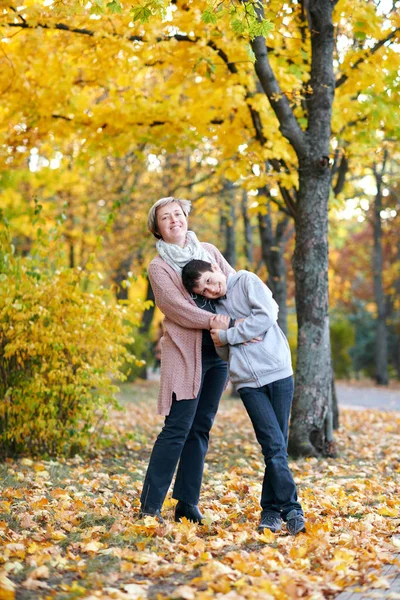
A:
x: 381, y: 342
x: 396, y: 334
x: 310, y: 265
x: 248, y: 232
x: 335, y: 405
x: 120, y: 275
x: 227, y: 224
x: 144, y: 329
x: 311, y: 403
x: 272, y: 249
x: 147, y: 317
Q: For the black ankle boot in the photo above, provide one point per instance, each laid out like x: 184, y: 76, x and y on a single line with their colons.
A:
x: 151, y: 512
x: 190, y: 511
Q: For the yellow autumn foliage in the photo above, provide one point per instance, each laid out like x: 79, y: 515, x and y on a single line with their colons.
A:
x: 62, y: 343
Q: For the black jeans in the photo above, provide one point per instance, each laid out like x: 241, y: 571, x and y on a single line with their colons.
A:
x: 269, y: 408
x: 184, y: 438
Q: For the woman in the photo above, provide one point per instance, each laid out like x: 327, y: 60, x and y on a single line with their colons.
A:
x: 193, y: 377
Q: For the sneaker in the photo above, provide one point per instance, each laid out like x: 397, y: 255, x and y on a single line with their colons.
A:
x: 295, y: 522
x: 271, y: 521
x: 150, y: 512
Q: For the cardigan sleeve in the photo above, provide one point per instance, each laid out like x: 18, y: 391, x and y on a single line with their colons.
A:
x: 173, y: 303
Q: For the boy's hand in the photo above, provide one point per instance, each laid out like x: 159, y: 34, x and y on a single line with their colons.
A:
x: 256, y: 339
x: 215, y: 337
x: 219, y: 322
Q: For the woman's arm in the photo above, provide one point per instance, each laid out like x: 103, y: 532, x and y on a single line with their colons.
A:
x: 173, y: 302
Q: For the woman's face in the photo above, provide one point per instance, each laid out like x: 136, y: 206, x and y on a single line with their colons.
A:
x: 172, y: 224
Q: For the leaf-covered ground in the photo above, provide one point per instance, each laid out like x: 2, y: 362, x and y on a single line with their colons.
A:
x: 70, y: 528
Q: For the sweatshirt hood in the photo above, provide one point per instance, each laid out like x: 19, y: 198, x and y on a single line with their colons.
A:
x: 233, y: 279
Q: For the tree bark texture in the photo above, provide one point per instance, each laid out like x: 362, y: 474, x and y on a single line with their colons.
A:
x: 381, y: 341
x: 310, y: 265
x: 147, y: 317
x: 120, y: 275
x: 248, y: 232
x: 272, y: 248
x: 227, y: 224
x: 396, y: 348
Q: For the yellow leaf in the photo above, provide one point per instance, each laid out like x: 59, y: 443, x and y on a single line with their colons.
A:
x: 385, y: 511
x: 7, y: 587
x: 5, y: 507
x: 93, y: 546
x: 298, y: 551
x: 58, y: 535
x: 267, y: 536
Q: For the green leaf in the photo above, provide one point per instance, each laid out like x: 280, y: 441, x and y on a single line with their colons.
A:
x: 296, y: 70
x: 114, y: 7
x: 141, y: 13
x: 261, y: 28
x: 208, y: 16
x: 97, y: 7
x: 360, y: 35
x: 238, y: 26
x: 250, y: 53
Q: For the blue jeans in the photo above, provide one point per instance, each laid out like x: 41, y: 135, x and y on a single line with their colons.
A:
x: 269, y: 409
x: 184, y: 438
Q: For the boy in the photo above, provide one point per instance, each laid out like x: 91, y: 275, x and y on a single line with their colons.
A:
x: 261, y: 372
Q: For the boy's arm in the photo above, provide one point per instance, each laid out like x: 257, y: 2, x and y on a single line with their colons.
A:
x: 263, y: 314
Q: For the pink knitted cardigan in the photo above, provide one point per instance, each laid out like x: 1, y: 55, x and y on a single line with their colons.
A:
x: 183, y: 324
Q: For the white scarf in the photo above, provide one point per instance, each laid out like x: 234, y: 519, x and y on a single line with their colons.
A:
x: 178, y: 257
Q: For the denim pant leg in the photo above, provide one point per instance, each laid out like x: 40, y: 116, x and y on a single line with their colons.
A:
x: 274, y: 391
x: 171, y: 441
x: 191, y: 464
x: 166, y: 452
x: 277, y: 474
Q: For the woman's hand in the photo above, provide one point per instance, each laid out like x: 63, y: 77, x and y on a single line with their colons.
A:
x: 219, y: 322
x: 256, y: 339
x: 215, y: 337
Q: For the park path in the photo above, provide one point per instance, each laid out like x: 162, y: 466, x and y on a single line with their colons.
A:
x: 361, y: 397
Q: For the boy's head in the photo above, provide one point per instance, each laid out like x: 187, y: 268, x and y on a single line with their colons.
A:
x: 201, y: 277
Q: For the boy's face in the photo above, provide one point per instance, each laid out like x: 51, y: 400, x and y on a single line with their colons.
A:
x: 212, y: 284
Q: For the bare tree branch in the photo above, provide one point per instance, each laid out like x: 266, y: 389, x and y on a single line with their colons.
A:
x: 370, y: 52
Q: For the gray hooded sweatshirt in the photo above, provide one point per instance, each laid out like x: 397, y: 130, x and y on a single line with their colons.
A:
x: 256, y: 363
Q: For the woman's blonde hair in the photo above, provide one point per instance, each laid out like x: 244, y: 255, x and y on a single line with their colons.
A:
x: 152, y: 226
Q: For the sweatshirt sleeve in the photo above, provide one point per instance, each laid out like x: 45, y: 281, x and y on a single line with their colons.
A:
x: 263, y: 313
x: 173, y: 303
